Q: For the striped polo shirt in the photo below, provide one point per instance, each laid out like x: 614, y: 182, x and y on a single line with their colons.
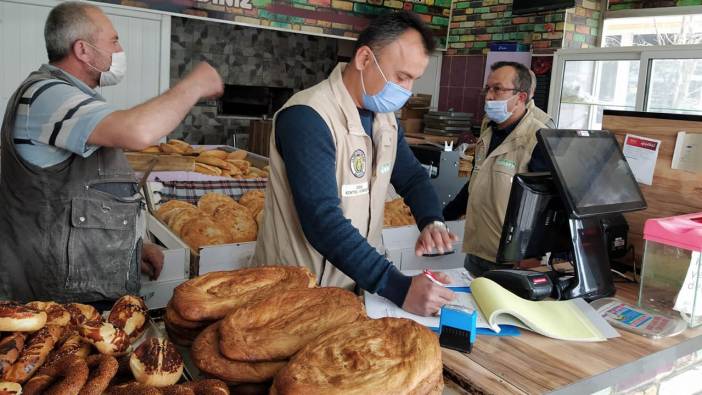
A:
x: 55, y: 119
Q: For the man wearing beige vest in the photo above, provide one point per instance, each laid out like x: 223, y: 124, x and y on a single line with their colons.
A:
x: 507, y: 146
x: 334, y: 151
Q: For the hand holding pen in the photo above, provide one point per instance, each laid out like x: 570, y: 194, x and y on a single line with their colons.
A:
x: 427, y: 293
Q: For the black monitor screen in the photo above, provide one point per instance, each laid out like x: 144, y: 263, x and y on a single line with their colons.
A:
x: 591, y: 172
x: 535, y: 222
x: 529, y: 6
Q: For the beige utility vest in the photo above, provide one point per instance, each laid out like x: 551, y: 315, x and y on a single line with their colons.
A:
x: 490, y: 184
x: 363, y: 169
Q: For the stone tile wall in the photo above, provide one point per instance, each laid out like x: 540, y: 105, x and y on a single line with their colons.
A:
x: 243, y: 56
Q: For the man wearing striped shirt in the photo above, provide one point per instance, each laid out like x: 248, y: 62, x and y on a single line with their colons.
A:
x: 69, y: 224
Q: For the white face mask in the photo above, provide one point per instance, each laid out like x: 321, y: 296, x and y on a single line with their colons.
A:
x: 496, y: 110
x: 117, y: 70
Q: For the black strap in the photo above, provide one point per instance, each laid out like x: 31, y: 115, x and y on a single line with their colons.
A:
x: 321, y: 275
x: 26, y: 100
x: 23, y: 141
x: 58, y: 125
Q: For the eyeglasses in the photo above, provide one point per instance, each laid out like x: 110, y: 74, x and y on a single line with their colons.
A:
x: 497, y: 90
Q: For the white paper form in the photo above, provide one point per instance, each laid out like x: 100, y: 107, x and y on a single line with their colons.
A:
x: 379, y: 307
x: 641, y: 153
x: 459, y: 276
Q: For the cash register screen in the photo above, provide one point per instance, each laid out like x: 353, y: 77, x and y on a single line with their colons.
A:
x: 591, y: 172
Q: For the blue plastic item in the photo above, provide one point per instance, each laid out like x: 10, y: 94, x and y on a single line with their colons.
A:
x: 457, y: 328
x: 508, y: 47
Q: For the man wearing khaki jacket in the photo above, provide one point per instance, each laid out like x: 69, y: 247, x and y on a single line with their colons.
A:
x: 334, y: 151
x: 507, y: 146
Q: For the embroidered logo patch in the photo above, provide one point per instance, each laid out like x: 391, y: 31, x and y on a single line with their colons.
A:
x: 384, y: 168
x: 358, y: 163
x: 510, y: 164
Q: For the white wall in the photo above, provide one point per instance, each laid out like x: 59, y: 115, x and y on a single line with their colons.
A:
x: 145, y: 37
x: 429, y: 82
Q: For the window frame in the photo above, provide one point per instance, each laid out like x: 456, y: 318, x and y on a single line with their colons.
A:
x: 644, y: 54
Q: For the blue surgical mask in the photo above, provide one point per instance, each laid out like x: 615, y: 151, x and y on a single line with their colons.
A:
x: 390, y: 99
x: 496, y: 110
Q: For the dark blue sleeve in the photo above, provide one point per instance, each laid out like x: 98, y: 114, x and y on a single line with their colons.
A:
x: 539, y: 161
x: 308, y: 151
x: 457, y: 207
x: 411, y: 181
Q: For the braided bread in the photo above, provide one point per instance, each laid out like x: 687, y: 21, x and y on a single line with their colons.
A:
x: 34, y: 354
x: 10, y: 349
x: 73, y: 345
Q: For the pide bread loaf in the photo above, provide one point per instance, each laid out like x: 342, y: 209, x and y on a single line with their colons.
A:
x: 213, y: 295
x: 203, y: 231
x: 240, y: 222
x: 207, y: 357
x: 276, y: 327
x: 383, y: 356
x: 210, y: 201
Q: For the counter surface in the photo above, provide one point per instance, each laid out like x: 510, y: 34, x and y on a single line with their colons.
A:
x: 534, y: 364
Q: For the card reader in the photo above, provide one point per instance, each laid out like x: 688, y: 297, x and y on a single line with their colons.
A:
x: 526, y: 284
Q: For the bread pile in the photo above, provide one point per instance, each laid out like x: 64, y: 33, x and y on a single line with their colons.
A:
x: 232, y: 164
x: 397, y: 214
x: 53, y: 348
x: 217, y: 218
x: 212, y: 162
x: 272, y: 325
x: 201, y: 301
x: 205, y: 302
x: 257, y: 338
x: 174, y: 146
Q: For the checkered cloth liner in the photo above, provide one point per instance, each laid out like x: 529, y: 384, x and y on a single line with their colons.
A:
x: 192, y: 191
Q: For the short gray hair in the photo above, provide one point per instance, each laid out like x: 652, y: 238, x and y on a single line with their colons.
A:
x: 67, y: 22
x: 522, y: 79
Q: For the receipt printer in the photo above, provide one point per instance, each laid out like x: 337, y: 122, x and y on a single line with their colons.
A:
x: 457, y: 327
x: 526, y: 284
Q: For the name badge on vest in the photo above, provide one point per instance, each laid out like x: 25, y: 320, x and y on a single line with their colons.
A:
x: 351, y: 190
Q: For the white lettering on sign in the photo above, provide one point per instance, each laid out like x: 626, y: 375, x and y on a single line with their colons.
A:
x: 243, y: 4
x: 350, y: 190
